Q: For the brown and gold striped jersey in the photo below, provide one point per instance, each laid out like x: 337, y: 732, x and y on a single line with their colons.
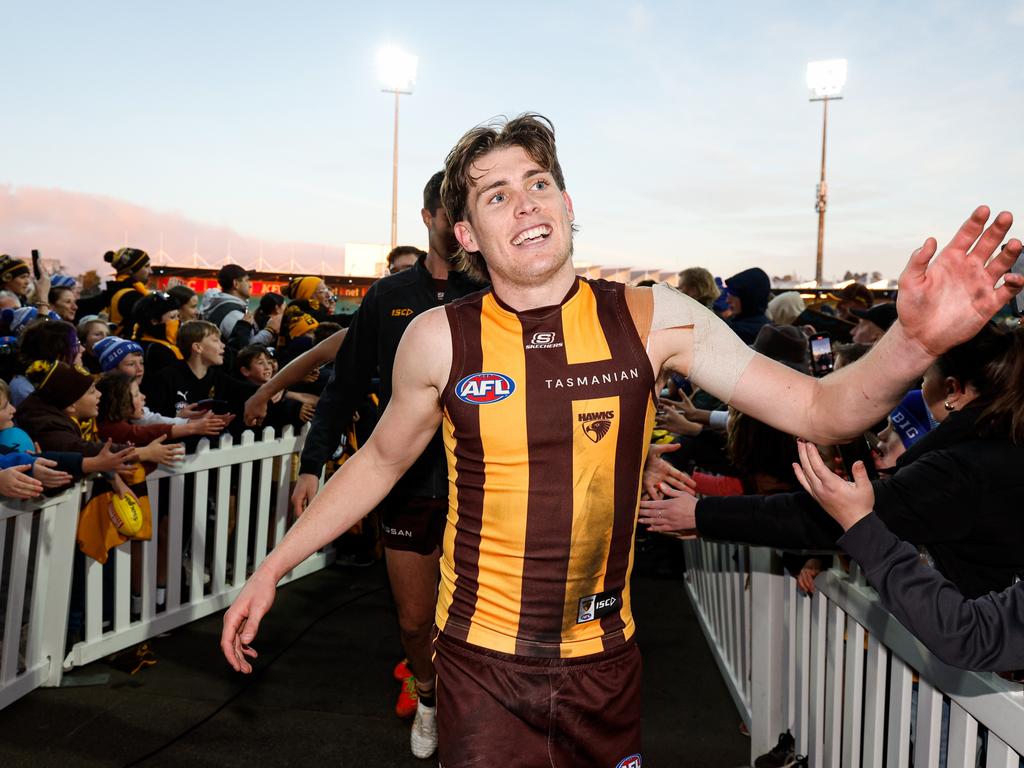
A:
x: 547, y: 416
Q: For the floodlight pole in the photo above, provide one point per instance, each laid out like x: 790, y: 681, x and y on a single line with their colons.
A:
x: 822, y: 198
x: 394, y: 170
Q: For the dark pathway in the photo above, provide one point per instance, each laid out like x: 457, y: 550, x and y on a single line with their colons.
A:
x: 323, y: 693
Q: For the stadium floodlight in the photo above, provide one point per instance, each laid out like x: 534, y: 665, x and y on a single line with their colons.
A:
x: 397, y: 72
x: 826, y: 78
x: 396, y: 69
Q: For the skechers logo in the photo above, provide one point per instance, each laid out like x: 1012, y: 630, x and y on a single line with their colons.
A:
x: 401, y: 312
x: 484, y: 388
x: 544, y: 340
x: 596, y: 424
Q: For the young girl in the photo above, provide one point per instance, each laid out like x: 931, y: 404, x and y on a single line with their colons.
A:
x: 119, y: 355
x: 91, y: 329
x: 10, y: 435
x: 120, y: 404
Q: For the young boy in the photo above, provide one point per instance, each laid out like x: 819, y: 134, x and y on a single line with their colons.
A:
x: 255, y: 367
x: 198, y: 376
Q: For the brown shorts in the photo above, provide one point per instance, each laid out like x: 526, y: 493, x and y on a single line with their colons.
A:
x: 413, y: 524
x: 496, y: 709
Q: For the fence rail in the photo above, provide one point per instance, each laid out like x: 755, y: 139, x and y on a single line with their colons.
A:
x: 853, y: 685
x: 215, y: 517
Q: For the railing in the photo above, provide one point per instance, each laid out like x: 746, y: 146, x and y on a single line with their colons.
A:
x: 215, y: 517
x: 839, y: 670
x: 36, y: 541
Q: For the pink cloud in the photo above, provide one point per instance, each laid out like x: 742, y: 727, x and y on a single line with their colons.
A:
x: 77, y: 228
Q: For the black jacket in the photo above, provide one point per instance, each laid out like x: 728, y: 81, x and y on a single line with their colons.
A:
x: 955, y: 492
x: 753, y: 287
x: 986, y: 633
x: 177, y: 387
x: 369, y: 350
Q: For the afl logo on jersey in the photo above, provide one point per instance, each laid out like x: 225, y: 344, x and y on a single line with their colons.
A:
x: 484, y: 388
x: 633, y: 761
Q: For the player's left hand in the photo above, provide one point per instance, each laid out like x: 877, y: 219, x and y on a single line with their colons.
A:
x: 945, y: 301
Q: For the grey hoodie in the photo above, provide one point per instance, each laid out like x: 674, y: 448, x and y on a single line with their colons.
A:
x: 224, y: 310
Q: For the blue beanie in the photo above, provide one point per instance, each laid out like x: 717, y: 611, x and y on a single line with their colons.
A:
x: 910, y: 418
x: 111, y: 350
x: 62, y: 281
x: 18, y: 319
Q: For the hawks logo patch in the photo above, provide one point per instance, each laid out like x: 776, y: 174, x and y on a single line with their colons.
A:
x: 596, y: 424
x: 484, y: 388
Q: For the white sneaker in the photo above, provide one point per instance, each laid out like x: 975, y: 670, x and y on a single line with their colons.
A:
x: 424, y: 731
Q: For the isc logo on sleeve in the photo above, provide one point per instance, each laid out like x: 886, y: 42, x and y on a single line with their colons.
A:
x: 483, y: 388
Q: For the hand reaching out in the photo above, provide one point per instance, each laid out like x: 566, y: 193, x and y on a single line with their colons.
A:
x: 16, y: 483
x: 109, y: 461
x: 658, y: 471
x: 805, y: 579
x: 676, y: 514
x: 42, y: 470
x: 160, y: 452
x: 846, y: 502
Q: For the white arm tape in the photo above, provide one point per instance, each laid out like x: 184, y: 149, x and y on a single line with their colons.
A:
x: 719, y: 355
x: 719, y: 420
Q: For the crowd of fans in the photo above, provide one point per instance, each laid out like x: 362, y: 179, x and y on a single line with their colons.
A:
x: 128, y: 377
x: 928, y: 499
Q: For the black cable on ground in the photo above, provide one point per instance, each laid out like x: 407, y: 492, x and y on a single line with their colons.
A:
x: 254, y: 677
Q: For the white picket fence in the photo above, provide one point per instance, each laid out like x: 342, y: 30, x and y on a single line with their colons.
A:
x: 839, y: 671
x: 36, y: 542
x: 236, y: 510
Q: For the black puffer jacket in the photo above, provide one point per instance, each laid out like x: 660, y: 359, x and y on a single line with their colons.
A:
x: 956, y: 492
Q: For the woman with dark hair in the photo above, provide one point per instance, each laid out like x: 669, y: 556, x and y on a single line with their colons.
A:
x: 62, y: 301
x: 44, y: 340
x: 188, y: 302
x: 271, y: 304
x: 956, y: 491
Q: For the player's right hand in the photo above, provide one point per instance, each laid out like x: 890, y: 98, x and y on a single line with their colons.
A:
x: 242, y: 621
x: 306, y: 488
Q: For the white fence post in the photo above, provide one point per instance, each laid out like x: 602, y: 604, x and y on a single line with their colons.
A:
x: 39, y: 548
x: 768, y: 674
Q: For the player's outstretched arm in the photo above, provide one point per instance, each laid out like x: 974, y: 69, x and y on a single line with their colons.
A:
x: 945, y: 298
x: 290, y: 375
x: 403, y: 432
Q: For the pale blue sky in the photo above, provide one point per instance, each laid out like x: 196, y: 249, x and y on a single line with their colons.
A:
x: 684, y: 129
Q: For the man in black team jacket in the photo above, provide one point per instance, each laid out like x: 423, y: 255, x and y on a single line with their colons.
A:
x: 414, y: 512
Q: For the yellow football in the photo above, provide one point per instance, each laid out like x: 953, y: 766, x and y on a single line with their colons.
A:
x: 126, y: 515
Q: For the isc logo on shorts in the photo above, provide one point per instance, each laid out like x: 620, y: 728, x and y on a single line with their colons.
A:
x: 483, y: 388
x: 633, y: 761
